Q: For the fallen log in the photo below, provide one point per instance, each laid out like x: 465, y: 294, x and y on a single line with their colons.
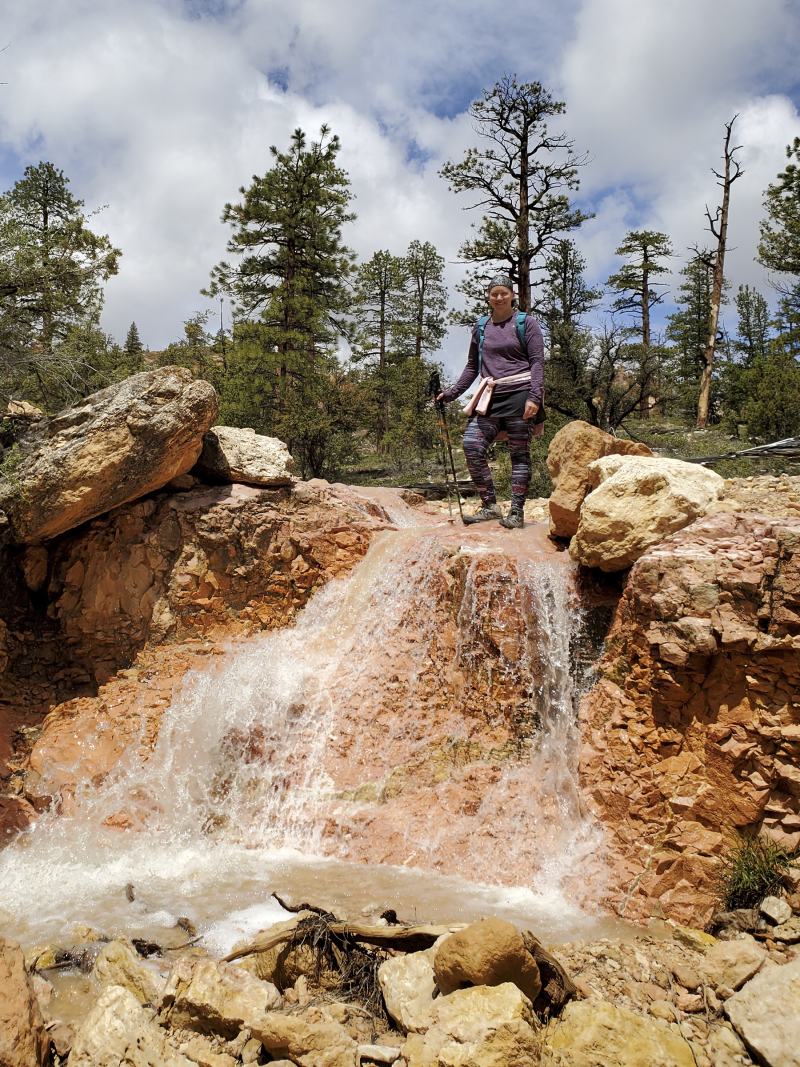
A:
x: 404, y: 938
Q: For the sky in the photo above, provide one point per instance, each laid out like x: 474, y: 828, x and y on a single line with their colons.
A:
x: 159, y: 110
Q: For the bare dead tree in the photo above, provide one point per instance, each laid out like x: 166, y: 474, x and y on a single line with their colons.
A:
x: 718, y: 225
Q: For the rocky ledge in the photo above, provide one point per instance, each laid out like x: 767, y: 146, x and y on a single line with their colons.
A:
x: 320, y: 991
x: 693, y: 731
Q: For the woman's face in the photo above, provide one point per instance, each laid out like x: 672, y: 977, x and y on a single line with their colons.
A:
x: 501, y: 300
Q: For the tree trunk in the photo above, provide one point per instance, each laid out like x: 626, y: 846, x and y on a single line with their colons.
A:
x: 644, y: 402
x: 721, y: 234
x: 523, y: 227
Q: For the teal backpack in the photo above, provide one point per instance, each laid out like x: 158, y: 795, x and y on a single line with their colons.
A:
x: 521, y: 316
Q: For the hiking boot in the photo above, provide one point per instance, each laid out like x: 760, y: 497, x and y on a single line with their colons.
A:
x: 515, y: 519
x: 485, y: 514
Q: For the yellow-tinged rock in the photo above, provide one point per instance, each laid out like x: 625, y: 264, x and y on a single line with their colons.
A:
x: 484, y: 1026
x: 201, y: 994
x: 699, y: 940
x: 313, y: 1039
x: 593, y: 1033
x: 119, y: 1031
x: 635, y: 503
x: 119, y: 964
x: 489, y: 952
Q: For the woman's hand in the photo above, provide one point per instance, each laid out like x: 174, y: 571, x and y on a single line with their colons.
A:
x: 439, y: 397
x: 531, y: 409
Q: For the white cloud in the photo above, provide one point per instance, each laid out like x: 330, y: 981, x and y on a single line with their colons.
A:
x: 162, y: 110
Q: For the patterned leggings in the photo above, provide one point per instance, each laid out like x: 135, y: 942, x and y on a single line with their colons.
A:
x: 479, y: 435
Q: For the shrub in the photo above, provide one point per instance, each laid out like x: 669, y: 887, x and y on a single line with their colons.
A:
x: 750, y: 871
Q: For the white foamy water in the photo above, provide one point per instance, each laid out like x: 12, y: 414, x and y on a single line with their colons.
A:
x: 232, y: 802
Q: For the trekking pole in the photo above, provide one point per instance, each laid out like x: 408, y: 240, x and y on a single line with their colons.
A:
x: 434, y: 388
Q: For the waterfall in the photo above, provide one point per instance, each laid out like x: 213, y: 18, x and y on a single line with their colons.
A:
x: 419, y: 714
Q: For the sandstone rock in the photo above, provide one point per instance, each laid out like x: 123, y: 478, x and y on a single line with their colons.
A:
x: 481, y: 1026
x: 789, y: 932
x: 23, y: 1041
x: 118, y: 1031
x: 490, y: 952
x: 223, y: 998
x: 408, y: 984
x: 686, y: 977
x: 378, y: 1053
x: 594, y: 1033
x: 312, y: 1039
x: 732, y: 963
x: 725, y: 1048
x: 766, y: 1012
x: 776, y: 910
x: 696, y: 939
x: 571, y: 451
x: 636, y: 502
x: 239, y: 454
x: 114, y: 446
x: 62, y: 1038
x: 120, y: 964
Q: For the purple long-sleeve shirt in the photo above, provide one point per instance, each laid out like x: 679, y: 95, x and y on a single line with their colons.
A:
x: 503, y: 355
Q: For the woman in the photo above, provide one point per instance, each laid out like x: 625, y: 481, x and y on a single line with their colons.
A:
x: 511, y: 380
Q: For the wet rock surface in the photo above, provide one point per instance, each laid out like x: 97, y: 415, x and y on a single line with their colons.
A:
x: 23, y: 1040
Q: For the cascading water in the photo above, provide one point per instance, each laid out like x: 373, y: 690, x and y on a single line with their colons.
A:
x: 434, y: 678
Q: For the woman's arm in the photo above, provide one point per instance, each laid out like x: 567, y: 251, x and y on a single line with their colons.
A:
x: 535, y: 343
x: 469, y: 373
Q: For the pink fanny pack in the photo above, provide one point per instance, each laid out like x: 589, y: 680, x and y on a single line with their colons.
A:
x: 483, y: 394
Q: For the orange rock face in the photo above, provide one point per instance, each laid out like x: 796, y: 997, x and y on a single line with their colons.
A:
x: 693, y: 732
x: 176, y: 570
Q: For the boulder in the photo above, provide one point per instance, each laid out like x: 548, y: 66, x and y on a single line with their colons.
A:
x: 481, y: 1027
x: 776, y: 910
x: 766, y: 1012
x: 408, y: 984
x: 239, y: 454
x: 593, y: 1033
x: 23, y: 1040
x: 788, y: 932
x: 313, y: 1039
x: 731, y: 963
x: 490, y: 952
x: 116, y: 445
x: 571, y: 451
x: 219, y: 997
x: 120, y: 964
x: 637, y: 502
x: 119, y: 1031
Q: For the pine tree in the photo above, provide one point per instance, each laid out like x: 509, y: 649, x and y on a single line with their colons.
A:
x: 522, y: 178
x: 52, y: 267
x: 289, y: 293
x: 637, y: 292
x: 133, y: 344
x: 750, y: 345
x: 380, y: 298
x: 779, y: 247
x: 687, y: 329
x: 418, y: 335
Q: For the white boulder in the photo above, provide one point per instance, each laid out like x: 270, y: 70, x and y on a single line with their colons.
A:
x: 766, y: 1012
x: 239, y: 454
x: 636, y: 501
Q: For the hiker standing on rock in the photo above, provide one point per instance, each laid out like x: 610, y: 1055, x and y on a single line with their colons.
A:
x: 507, y: 356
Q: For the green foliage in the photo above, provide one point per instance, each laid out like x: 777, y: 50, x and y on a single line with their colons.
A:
x: 779, y: 247
x: 771, y: 388
x: 687, y: 329
x: 750, y: 871
x: 133, y: 343
x: 522, y: 177
x: 633, y: 283
x: 52, y: 267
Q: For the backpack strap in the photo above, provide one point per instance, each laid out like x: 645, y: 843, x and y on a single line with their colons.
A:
x: 521, y: 319
x: 481, y: 333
